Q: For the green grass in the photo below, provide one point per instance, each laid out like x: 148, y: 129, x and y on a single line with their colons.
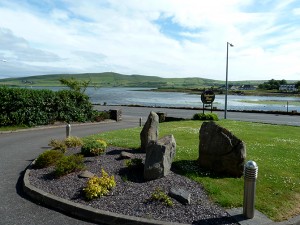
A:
x: 13, y: 128
x: 270, y: 102
x: 275, y: 148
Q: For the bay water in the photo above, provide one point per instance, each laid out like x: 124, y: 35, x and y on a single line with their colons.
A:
x: 145, y: 97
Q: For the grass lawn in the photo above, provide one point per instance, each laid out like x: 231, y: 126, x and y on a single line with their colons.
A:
x: 12, y: 128
x: 271, y: 102
x: 275, y: 148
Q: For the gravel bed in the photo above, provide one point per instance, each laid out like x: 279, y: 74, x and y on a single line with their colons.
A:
x: 129, y: 196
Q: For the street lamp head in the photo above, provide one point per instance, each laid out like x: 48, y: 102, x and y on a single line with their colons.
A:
x: 231, y: 45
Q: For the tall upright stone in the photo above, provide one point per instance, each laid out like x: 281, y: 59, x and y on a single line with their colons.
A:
x: 159, y: 158
x: 220, y: 151
x: 150, y: 131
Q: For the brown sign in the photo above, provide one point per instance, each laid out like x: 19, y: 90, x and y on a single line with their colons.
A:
x: 208, y: 97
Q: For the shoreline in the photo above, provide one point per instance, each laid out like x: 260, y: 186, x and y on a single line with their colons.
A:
x: 294, y: 112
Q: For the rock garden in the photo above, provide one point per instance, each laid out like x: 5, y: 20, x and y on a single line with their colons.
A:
x: 140, y: 183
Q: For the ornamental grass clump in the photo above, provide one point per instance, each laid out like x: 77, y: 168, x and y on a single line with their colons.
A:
x: 99, y: 186
x: 48, y: 158
x: 93, y: 147
x: 73, y: 142
x: 58, y: 145
x: 68, y: 164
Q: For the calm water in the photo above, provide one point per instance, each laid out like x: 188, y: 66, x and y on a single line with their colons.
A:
x: 141, y: 96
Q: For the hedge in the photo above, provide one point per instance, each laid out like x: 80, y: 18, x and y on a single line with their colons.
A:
x: 20, y: 106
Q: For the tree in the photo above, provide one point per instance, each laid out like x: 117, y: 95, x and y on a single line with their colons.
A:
x: 74, y: 84
x: 297, y: 85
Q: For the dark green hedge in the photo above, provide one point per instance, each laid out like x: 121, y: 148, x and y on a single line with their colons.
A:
x: 19, y: 106
x: 206, y: 116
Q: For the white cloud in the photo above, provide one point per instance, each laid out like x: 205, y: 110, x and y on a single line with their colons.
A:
x: 129, y: 37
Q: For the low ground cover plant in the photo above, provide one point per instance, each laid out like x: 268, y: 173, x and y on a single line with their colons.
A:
x: 275, y: 149
x: 159, y: 196
x: 99, y: 186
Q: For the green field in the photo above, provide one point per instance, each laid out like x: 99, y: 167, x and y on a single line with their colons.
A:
x: 275, y: 148
x: 109, y: 79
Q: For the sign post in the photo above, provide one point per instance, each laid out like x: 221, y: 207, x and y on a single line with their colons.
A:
x: 208, y: 97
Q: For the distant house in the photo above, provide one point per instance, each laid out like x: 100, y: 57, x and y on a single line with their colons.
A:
x: 234, y: 88
x: 288, y: 88
x: 247, y: 87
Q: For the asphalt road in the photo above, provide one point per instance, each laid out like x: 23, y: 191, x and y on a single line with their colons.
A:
x: 137, y: 112
x: 18, y: 149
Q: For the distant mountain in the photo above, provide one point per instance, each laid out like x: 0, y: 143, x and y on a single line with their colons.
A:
x: 109, y: 79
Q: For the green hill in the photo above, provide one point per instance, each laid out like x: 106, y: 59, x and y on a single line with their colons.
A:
x: 110, y: 79
x: 113, y: 80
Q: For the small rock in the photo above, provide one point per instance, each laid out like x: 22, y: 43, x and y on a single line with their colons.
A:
x: 126, y: 155
x: 180, y: 195
x: 86, y: 174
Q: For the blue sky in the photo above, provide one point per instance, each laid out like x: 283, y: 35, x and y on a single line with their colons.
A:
x: 167, y: 38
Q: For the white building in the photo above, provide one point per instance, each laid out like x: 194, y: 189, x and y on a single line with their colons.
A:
x: 288, y: 88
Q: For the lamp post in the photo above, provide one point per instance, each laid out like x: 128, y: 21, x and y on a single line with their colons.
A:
x: 226, y: 84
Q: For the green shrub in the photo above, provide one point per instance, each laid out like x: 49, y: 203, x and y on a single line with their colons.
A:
x: 58, y: 145
x: 21, y: 106
x: 100, y: 116
x: 93, y: 147
x: 160, y: 196
x: 133, y: 162
x: 48, y: 158
x: 68, y: 164
x: 206, y: 116
x: 99, y: 186
x: 72, y: 142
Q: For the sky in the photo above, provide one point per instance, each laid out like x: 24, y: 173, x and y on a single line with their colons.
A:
x: 166, y: 38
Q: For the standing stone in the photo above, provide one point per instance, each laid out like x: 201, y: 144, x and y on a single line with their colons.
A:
x: 159, y: 158
x: 220, y: 151
x: 150, y: 131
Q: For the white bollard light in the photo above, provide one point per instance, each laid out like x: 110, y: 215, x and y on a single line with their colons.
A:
x: 68, y: 130
x: 250, y: 176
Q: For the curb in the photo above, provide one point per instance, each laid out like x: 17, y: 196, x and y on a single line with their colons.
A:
x: 85, y: 212
x: 100, y: 216
x: 259, y: 218
x: 56, y: 126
